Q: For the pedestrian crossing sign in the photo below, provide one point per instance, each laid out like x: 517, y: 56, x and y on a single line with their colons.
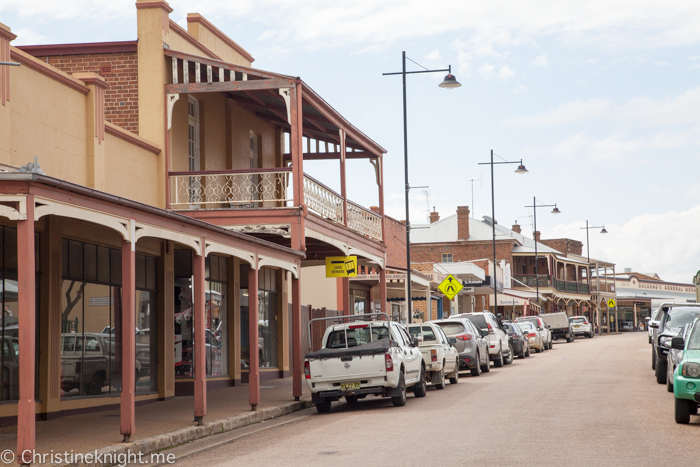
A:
x: 450, y: 286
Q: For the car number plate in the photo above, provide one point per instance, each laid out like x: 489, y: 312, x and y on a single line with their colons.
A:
x: 349, y: 386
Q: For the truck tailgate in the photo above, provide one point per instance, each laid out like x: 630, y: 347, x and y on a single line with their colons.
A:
x: 347, y: 369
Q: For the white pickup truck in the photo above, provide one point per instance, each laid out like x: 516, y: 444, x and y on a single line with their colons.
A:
x: 439, y: 356
x: 362, y: 358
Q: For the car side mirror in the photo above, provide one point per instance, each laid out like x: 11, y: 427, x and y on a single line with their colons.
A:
x: 549, y: 326
x: 540, y: 329
x: 484, y: 332
x: 452, y: 341
x: 416, y: 341
x: 677, y: 343
x: 654, y: 325
x: 647, y: 318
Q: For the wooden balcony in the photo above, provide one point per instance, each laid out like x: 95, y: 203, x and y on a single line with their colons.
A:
x: 267, y: 189
x: 544, y: 280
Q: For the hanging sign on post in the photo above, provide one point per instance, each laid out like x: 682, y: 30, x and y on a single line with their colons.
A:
x: 341, y: 266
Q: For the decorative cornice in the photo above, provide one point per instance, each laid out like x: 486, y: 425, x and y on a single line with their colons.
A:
x: 129, y: 137
x: 53, y: 50
x: 197, y: 18
x: 180, y: 31
x: 157, y: 4
x: 92, y: 78
x: 6, y: 33
x: 47, y: 70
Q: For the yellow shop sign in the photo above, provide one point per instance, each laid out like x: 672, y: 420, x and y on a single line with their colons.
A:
x: 341, y: 266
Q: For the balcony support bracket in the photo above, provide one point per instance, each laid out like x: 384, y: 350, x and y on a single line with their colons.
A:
x: 284, y: 92
x: 172, y: 98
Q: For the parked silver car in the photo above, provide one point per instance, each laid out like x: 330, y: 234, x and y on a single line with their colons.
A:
x: 471, y: 344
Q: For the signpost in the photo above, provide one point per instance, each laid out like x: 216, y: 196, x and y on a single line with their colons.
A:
x: 450, y: 287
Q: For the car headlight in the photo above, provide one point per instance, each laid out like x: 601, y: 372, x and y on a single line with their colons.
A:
x: 691, y: 370
x: 665, y: 341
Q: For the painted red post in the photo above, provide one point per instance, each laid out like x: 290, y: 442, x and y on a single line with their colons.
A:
x: 382, y: 290
x: 345, y: 294
x: 128, y: 302
x: 296, y: 338
x: 200, y: 363
x: 254, y: 375
x: 26, y: 410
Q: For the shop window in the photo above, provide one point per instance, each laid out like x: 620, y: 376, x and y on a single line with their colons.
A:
x: 267, y: 319
x: 91, y: 321
x: 359, y: 301
x: 447, y: 257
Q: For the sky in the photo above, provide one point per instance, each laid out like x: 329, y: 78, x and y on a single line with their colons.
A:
x: 600, y: 99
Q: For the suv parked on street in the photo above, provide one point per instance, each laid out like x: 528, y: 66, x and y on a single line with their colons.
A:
x: 439, y: 357
x: 558, y: 324
x: 500, y: 350
x: 580, y: 325
x: 672, y: 318
x: 471, y: 344
x: 518, y: 340
x: 686, y: 377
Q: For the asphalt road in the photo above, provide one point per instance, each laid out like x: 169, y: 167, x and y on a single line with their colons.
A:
x: 593, y: 402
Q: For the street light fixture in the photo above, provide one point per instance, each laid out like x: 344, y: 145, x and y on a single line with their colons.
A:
x: 534, y: 211
x: 449, y: 83
x: 588, y: 255
x: 520, y: 170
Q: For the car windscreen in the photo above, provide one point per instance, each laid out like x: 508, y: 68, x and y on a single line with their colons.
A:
x: 352, y: 337
x: 527, y: 326
x: 677, y: 318
x: 694, y: 339
x: 578, y: 320
x: 478, y: 320
x: 510, y: 329
x: 452, y: 328
x: 528, y: 320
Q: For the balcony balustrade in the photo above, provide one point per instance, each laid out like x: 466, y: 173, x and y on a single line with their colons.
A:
x: 571, y: 287
x: 532, y: 280
x: 265, y: 189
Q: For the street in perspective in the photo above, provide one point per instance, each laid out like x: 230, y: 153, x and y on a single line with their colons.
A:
x: 312, y: 233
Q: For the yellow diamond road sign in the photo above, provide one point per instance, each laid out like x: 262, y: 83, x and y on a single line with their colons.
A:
x: 611, y: 303
x: 450, y: 287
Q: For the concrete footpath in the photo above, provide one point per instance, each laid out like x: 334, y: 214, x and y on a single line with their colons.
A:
x: 159, y: 425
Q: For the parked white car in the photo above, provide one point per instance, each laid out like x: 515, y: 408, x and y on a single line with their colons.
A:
x: 500, y: 350
x: 541, y: 329
x: 439, y: 356
x: 364, y: 358
x: 580, y: 325
x: 534, y: 338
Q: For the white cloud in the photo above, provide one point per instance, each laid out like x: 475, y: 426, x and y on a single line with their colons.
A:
x: 505, y: 72
x: 540, y: 61
x: 487, y: 70
x: 646, y: 243
x: 520, y: 88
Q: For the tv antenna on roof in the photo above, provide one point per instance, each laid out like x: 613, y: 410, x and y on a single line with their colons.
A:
x: 426, y: 193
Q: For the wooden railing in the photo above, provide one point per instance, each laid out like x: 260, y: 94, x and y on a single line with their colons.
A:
x: 571, y: 287
x: 364, y: 221
x: 530, y: 280
x: 322, y: 200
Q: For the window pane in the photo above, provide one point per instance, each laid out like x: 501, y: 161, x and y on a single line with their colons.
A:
x: 151, y: 273
x: 71, y: 334
x: 267, y: 329
x: 216, y: 329
x: 90, y: 262
x: 116, y: 266
x: 207, y: 267
x: 245, y: 348
x: 140, y: 272
x: 10, y: 242
x: 10, y: 357
x: 103, y: 264
x: 65, y: 259
x: 75, y: 259
x: 184, y: 354
x: 146, y: 342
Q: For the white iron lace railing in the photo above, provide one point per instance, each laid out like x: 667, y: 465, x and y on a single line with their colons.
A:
x: 364, y: 221
x: 322, y: 200
x: 243, y: 189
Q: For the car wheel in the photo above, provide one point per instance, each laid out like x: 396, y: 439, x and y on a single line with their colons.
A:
x: 498, y: 362
x: 351, y: 400
x: 669, y: 384
x: 323, y: 407
x: 509, y: 360
x: 653, y: 359
x: 400, y: 400
x: 650, y: 339
x: 521, y: 355
x: 422, y: 387
x: 538, y: 349
x: 693, y: 408
x: 440, y: 378
x: 682, y: 410
x: 454, y: 379
x: 476, y: 371
x: 95, y: 386
x: 487, y: 366
x: 527, y: 354
x: 546, y: 346
x: 661, y: 371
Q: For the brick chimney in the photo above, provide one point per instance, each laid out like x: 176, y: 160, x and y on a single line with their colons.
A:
x: 516, y: 228
x: 536, y: 234
x: 434, y: 216
x: 462, y: 222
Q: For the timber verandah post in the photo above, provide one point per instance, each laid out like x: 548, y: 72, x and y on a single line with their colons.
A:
x: 200, y: 366
x: 296, y: 338
x: 128, y: 323
x: 254, y: 363
x: 26, y: 409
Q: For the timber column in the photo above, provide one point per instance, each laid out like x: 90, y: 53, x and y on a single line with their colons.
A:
x: 296, y: 337
x: 200, y: 362
x: 26, y: 301
x: 254, y: 374
x: 128, y: 334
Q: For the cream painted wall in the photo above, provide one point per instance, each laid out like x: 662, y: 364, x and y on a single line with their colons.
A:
x: 242, y: 123
x: 176, y: 42
x: 216, y: 45
x: 317, y: 290
x: 132, y: 172
x: 48, y: 121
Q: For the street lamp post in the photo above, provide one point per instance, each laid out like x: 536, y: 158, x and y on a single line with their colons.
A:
x: 534, y: 212
x: 520, y: 170
x: 588, y: 255
x: 450, y: 82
